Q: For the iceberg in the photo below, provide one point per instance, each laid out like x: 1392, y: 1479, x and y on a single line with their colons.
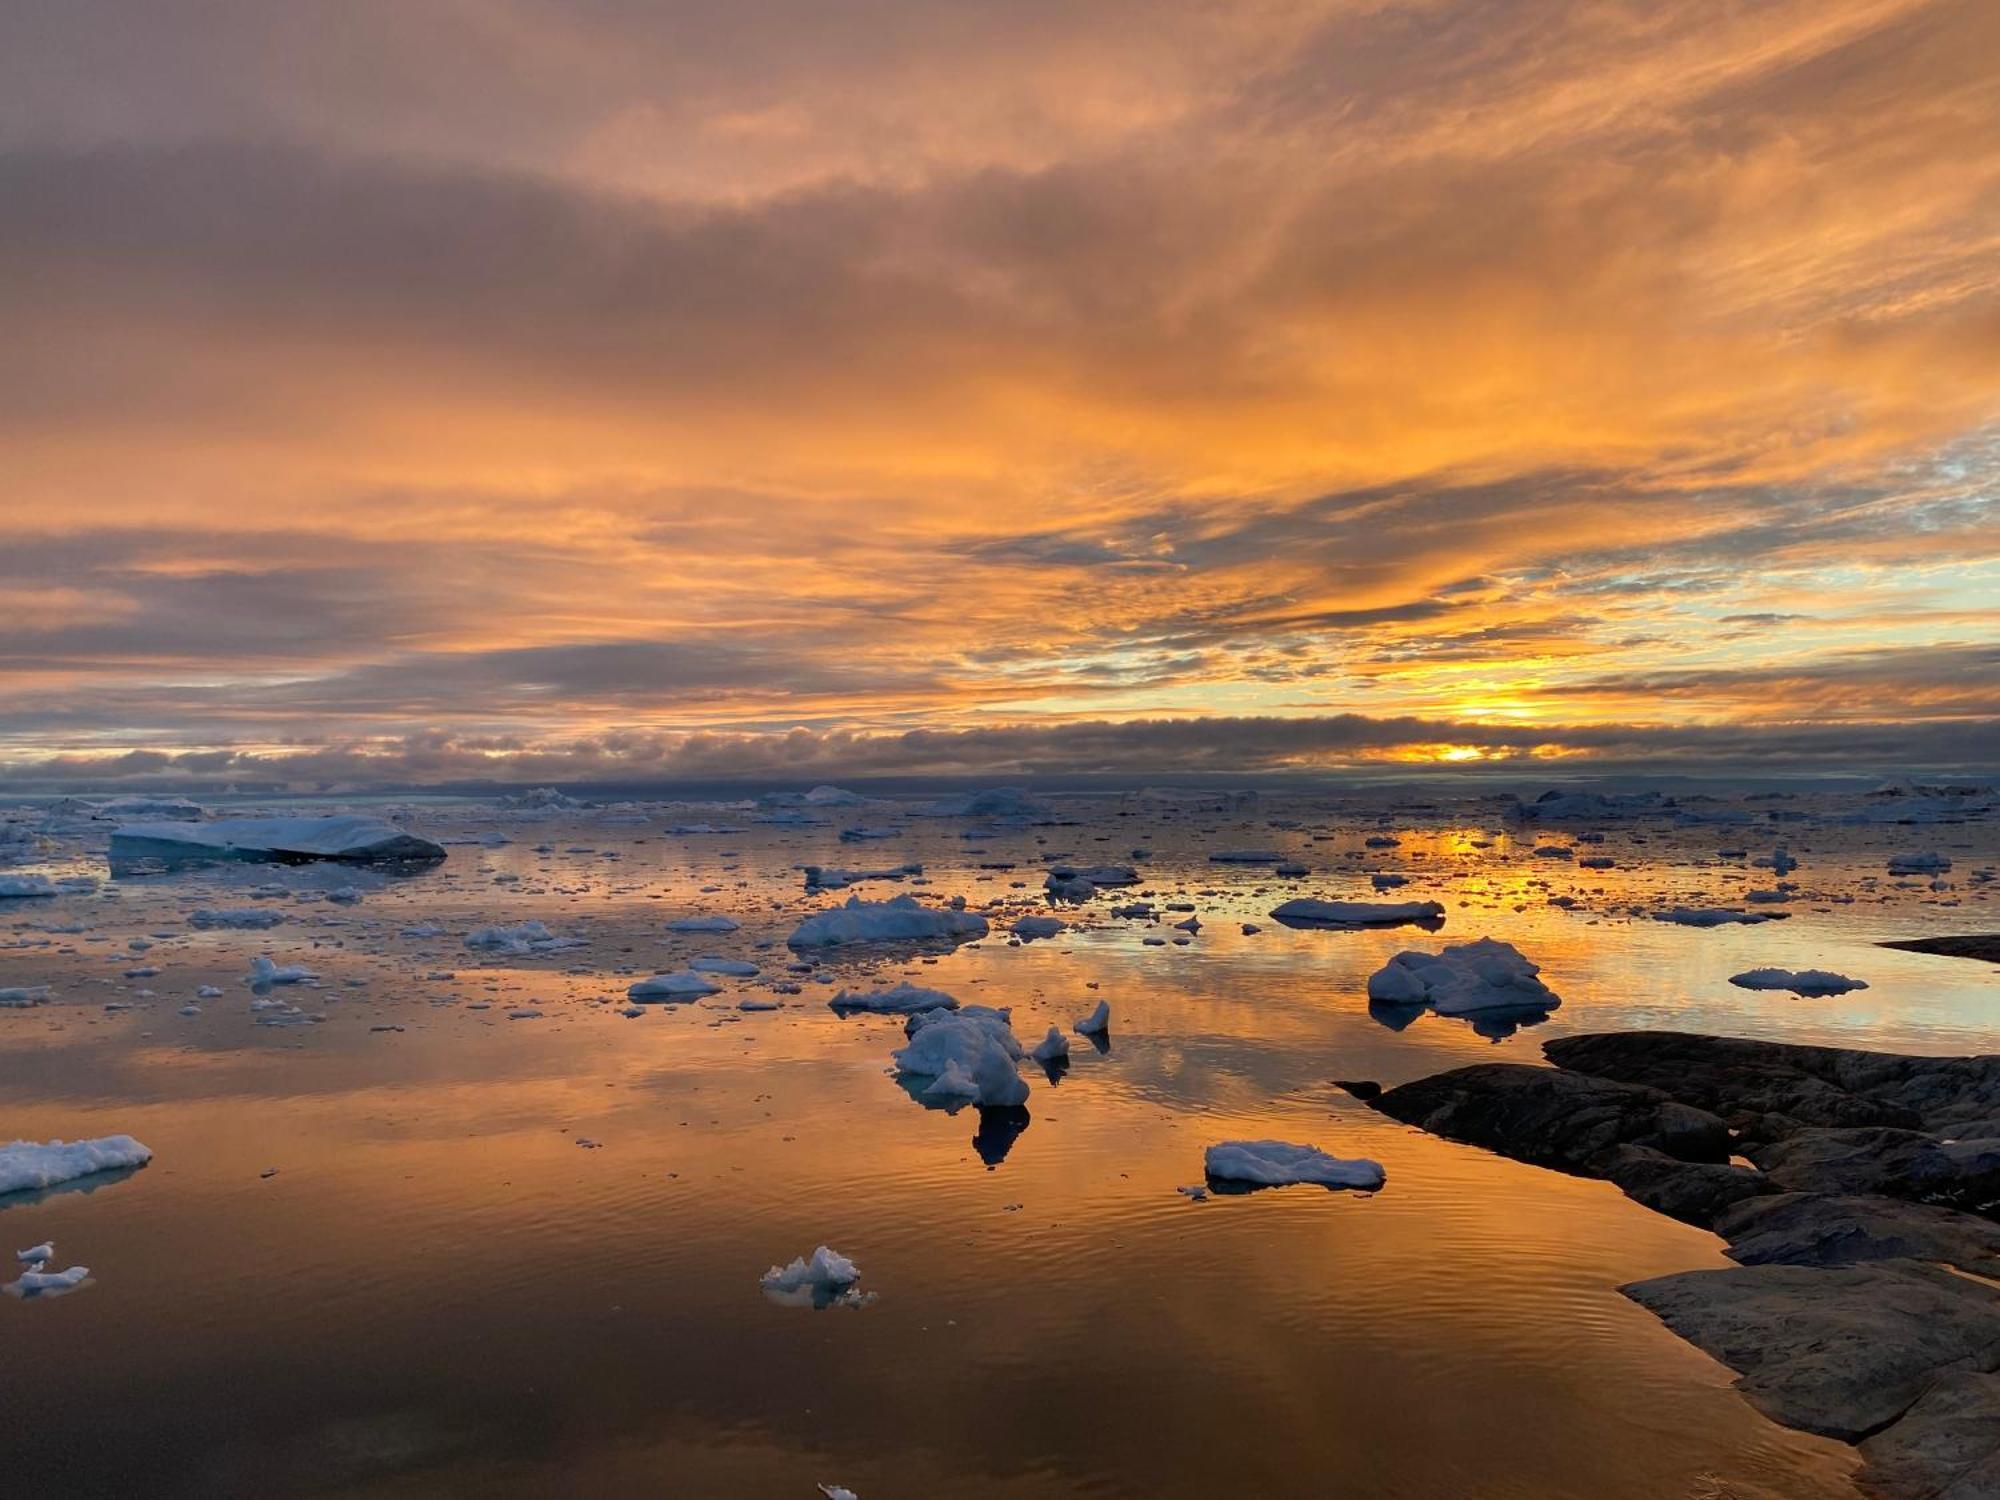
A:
x: 1306, y: 912
x: 1809, y: 982
x: 1280, y: 1163
x: 350, y: 839
x: 703, y: 924
x: 1031, y: 927
x: 967, y: 1056
x: 901, y: 999
x: 1713, y: 916
x: 20, y: 886
x: 900, y: 919
x: 522, y: 938
x: 684, y: 984
x: 29, y: 1165
x: 235, y: 916
x: 828, y: 1271
x: 1098, y: 1022
x: 1482, y: 975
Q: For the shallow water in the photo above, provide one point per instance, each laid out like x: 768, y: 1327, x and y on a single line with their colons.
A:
x: 439, y: 1290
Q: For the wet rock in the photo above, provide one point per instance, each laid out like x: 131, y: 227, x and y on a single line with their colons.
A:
x: 1770, y: 1088
x: 1554, y: 1118
x: 1366, y: 1089
x: 1693, y: 1192
x: 1841, y: 1350
x: 1819, y: 1229
x: 1897, y: 1163
x: 1984, y: 946
x: 1946, y: 1447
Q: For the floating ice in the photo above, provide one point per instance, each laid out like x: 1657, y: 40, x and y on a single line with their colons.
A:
x: 1031, y: 927
x: 1811, y: 982
x: 1712, y: 916
x: 1097, y: 1022
x: 1929, y: 862
x: 264, y: 973
x: 714, y: 963
x: 1095, y: 874
x: 1280, y: 1163
x: 31, y: 1282
x: 522, y: 938
x: 1306, y: 912
x: 994, y: 802
x: 36, y: 1254
x: 1052, y: 1048
x: 968, y: 1058
x: 22, y: 996
x: 681, y: 985
x: 901, y: 999
x: 900, y: 919
x: 235, y: 916
x: 22, y: 886
x: 1483, y: 975
x: 703, y: 924
x: 834, y: 878
x: 26, y: 1165
x: 827, y: 1271
x: 1245, y: 857
x: 349, y: 838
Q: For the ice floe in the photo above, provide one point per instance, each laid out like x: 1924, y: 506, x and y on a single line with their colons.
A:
x: 964, y: 1057
x: 1306, y: 912
x: 900, y: 919
x: 349, y: 838
x: 19, y: 886
x: 235, y: 916
x: 900, y: 999
x: 1483, y: 975
x: 1281, y: 1163
x: 522, y: 938
x: 28, y: 1165
x: 684, y: 984
x: 1809, y: 982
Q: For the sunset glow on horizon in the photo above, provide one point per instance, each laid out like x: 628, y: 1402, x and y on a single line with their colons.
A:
x: 412, y: 393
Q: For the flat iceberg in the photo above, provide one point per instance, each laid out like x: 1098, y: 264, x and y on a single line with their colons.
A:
x: 684, y: 984
x: 901, y: 999
x: 16, y: 886
x: 351, y: 839
x: 1713, y: 916
x: 1929, y: 862
x: 235, y: 916
x: 1306, y: 912
x: 1031, y: 927
x: 1811, y: 982
x: 900, y: 919
x: 1483, y: 975
x: 703, y: 924
x: 29, y: 1165
x: 23, y: 996
x: 265, y: 972
x: 522, y: 938
x: 1280, y: 1163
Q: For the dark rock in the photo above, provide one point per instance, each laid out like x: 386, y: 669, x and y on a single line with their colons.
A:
x: 1981, y: 945
x: 1361, y: 1088
x: 1898, y: 1163
x: 1693, y: 1192
x: 1818, y: 1229
x: 1839, y: 1350
x: 1553, y: 1118
x: 1768, y: 1089
x: 1946, y: 1447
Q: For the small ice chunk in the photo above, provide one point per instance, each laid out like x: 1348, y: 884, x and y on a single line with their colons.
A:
x: 1306, y: 912
x: 22, y: 996
x: 1280, y: 1163
x: 838, y: 1492
x: 26, y: 1165
x: 900, y: 999
x: 1051, y: 1048
x: 522, y: 938
x: 264, y: 972
x: 827, y: 1270
x: 1928, y: 862
x: 236, y: 916
x: 48, y: 1281
x: 1031, y: 927
x: 1712, y: 916
x: 1810, y: 982
x: 703, y: 924
x: 969, y: 1057
x: 22, y: 886
x: 36, y: 1254
x: 683, y: 984
x: 1097, y: 1022
x: 736, y: 968
x: 1466, y: 977
x: 900, y: 919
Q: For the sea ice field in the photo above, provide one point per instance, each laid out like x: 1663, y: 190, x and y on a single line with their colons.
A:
x: 974, y: 1143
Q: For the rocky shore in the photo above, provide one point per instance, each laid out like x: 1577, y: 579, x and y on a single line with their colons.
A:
x: 1858, y: 1191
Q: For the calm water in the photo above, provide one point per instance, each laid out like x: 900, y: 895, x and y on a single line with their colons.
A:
x: 439, y: 1290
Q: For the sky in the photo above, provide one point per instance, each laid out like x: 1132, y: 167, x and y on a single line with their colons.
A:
x: 419, y: 390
